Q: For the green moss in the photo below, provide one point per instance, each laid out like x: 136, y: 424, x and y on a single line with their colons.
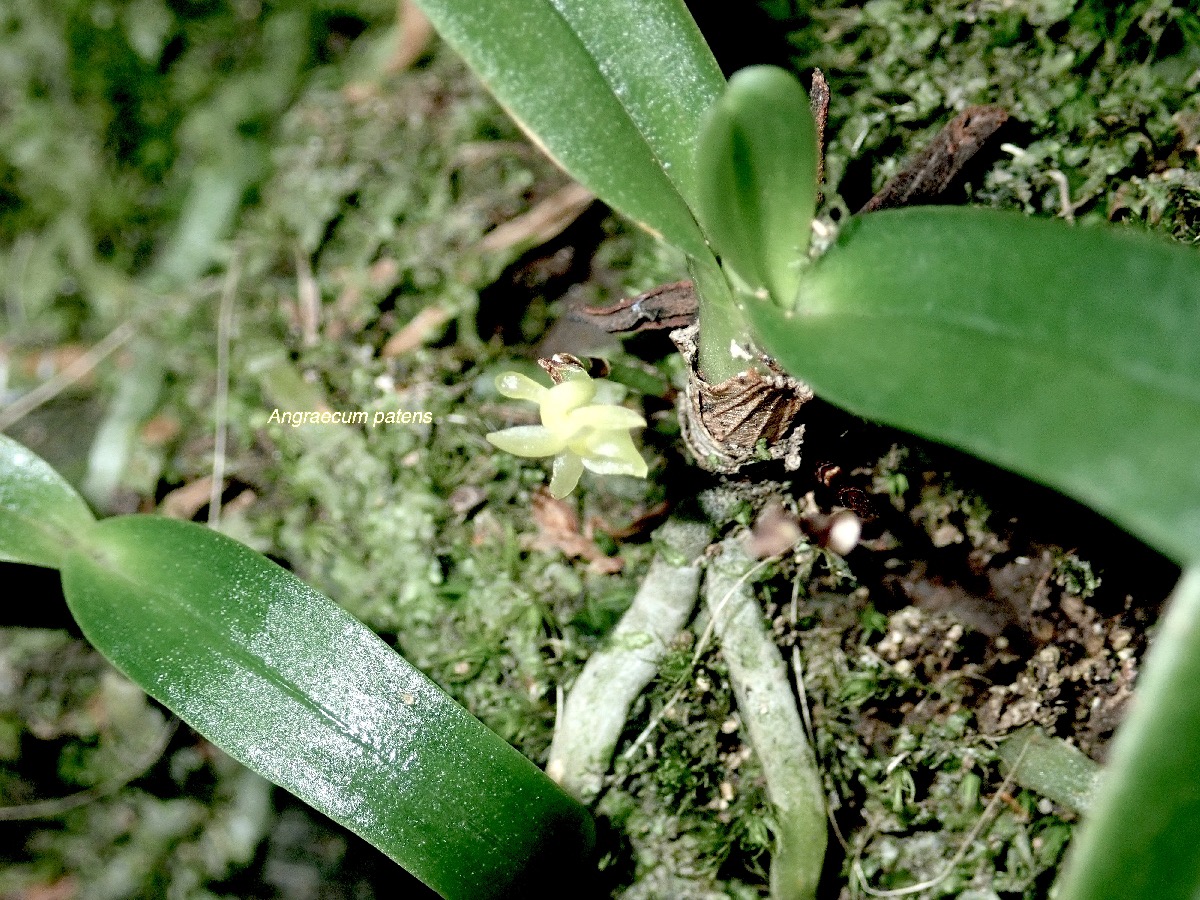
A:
x: 375, y: 194
x: 66, y: 782
x: 1075, y: 575
x: 689, y: 798
x: 1105, y: 96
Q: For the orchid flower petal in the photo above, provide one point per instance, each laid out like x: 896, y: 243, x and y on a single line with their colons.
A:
x: 609, y: 392
x: 605, y: 418
x: 582, y: 427
x: 611, y: 453
x: 602, y: 466
x: 563, y: 398
x: 565, y: 474
x: 520, y: 387
x: 609, y: 442
x: 528, y: 440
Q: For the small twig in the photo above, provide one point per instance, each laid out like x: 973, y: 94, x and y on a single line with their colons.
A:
x: 655, y: 721
x: 931, y: 171
x: 798, y: 667
x: 702, y: 644
x: 805, y: 714
x: 1066, y: 207
x: 308, y: 300
x: 802, y: 695
x: 52, y: 387
x: 413, y: 34
x: 970, y: 839
x: 221, y: 401
x: 50, y: 809
x: 810, y: 733
x: 794, y: 612
x: 543, y: 223
x: 13, y: 301
x: 818, y: 98
x: 701, y: 647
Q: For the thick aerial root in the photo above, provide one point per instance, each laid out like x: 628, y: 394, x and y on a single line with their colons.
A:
x: 595, y: 711
x: 772, y: 723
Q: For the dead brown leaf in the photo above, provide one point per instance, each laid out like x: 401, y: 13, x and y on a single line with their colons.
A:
x: 559, y: 529
x: 547, y: 220
x: 63, y: 889
x: 184, y: 502
x: 422, y: 327
x: 414, y: 32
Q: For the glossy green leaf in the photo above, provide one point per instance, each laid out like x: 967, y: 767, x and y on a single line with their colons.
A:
x: 1139, y: 840
x: 298, y: 690
x: 757, y: 171
x: 613, y: 91
x: 1068, y: 354
x: 40, y: 513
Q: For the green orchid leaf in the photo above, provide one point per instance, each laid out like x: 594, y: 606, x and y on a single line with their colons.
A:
x: 1070, y: 355
x: 297, y: 689
x: 757, y: 170
x: 1139, y: 839
x: 614, y: 92
x: 40, y: 513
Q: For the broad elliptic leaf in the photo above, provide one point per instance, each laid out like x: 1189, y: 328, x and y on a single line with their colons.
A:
x: 40, y: 513
x: 1139, y: 838
x: 294, y: 687
x: 1068, y: 354
x: 613, y: 91
x: 757, y: 172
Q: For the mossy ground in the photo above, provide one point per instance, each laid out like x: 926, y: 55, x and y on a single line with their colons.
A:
x: 978, y: 605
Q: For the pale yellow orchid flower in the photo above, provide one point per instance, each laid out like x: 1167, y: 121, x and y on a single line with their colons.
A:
x: 579, y: 433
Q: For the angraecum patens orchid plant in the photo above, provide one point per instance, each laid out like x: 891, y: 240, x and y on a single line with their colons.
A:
x: 1072, y: 357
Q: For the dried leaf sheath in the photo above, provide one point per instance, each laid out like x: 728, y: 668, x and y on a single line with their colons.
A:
x: 748, y: 418
x: 669, y: 306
